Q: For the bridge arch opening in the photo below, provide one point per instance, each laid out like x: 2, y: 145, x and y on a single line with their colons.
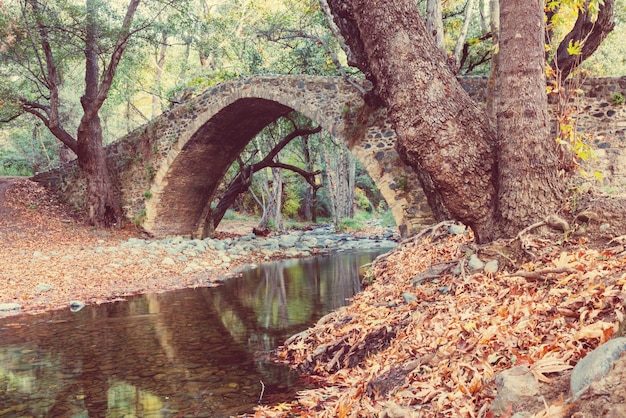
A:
x: 212, y: 130
x: 306, y: 172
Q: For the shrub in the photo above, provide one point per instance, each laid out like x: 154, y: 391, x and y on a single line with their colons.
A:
x: 617, y: 99
x: 350, y: 224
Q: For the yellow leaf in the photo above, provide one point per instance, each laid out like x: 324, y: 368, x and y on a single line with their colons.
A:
x: 598, y: 175
x: 554, y: 411
x: 548, y: 365
x: 601, y: 330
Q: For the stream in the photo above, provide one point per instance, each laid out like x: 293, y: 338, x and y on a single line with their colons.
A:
x: 195, y: 352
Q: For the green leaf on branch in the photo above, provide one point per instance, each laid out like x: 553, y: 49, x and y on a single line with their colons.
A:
x: 574, y: 48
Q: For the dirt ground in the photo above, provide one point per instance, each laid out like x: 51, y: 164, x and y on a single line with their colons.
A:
x: 425, y: 339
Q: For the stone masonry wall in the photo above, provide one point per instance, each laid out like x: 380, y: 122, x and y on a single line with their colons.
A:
x: 597, y: 115
x: 161, y: 170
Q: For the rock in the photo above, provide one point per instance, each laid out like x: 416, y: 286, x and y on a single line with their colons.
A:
x: 475, y: 263
x: 8, y: 307
x: 408, y: 297
x: 288, y: 241
x: 192, y: 267
x: 309, y: 241
x: 491, y: 266
x: 515, y: 386
x: 456, y: 229
x: 76, y: 305
x: 43, y: 287
x: 595, y: 365
x: 168, y: 261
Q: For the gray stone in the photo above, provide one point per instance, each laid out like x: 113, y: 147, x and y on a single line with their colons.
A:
x: 192, y: 267
x: 288, y: 241
x: 309, y: 241
x: 456, y: 229
x: 475, y: 263
x: 595, y: 365
x: 8, y: 307
x: 168, y: 261
x: 491, y: 266
x: 408, y: 297
x: 76, y: 305
x: 515, y: 386
x: 43, y: 287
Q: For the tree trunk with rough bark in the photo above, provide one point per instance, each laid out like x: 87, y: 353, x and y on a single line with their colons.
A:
x: 441, y: 132
x: 273, y: 210
x: 104, y: 209
x: 341, y: 177
x: 434, y: 22
x: 530, y: 186
x: 103, y: 204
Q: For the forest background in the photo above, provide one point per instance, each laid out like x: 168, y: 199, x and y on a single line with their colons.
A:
x: 183, y: 47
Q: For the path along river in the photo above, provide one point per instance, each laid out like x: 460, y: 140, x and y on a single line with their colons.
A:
x: 193, y: 352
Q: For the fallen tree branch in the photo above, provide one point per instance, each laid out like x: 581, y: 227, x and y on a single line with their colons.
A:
x: 540, y: 274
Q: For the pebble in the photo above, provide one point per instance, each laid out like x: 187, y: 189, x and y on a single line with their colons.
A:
x: 475, y: 263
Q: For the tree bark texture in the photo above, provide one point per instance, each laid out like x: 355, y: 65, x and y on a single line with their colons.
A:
x: 341, y: 177
x: 529, y: 184
x: 434, y: 22
x: 104, y: 209
x: 440, y: 130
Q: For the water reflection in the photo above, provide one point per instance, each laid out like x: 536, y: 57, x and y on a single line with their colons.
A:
x: 201, y: 351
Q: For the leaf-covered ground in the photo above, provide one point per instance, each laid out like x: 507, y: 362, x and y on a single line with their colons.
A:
x: 424, y: 344
x: 42, y: 242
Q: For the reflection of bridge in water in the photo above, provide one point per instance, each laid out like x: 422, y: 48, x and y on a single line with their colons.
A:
x: 184, y: 351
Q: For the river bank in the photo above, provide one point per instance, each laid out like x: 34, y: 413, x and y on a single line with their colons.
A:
x: 50, y: 260
x: 446, y: 329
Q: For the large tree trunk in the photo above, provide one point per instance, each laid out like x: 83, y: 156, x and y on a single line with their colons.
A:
x: 434, y: 22
x: 494, y: 13
x: 158, y: 74
x: 441, y: 131
x: 104, y: 209
x: 341, y: 177
x: 273, y: 210
x: 529, y: 184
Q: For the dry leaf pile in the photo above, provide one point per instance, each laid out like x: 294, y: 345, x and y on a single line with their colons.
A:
x: 43, y: 242
x: 436, y: 355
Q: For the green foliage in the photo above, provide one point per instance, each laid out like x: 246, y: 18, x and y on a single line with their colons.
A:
x: 150, y: 171
x: 147, y: 194
x: 138, y: 220
x: 12, y: 164
x: 350, y: 224
x: 387, y: 220
x: 362, y: 201
x: 617, y: 99
x: 291, y: 207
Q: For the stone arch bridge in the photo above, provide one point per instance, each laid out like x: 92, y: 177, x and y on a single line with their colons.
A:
x: 167, y: 171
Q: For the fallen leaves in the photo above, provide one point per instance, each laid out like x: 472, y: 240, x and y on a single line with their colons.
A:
x: 463, y: 329
x: 41, y: 241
